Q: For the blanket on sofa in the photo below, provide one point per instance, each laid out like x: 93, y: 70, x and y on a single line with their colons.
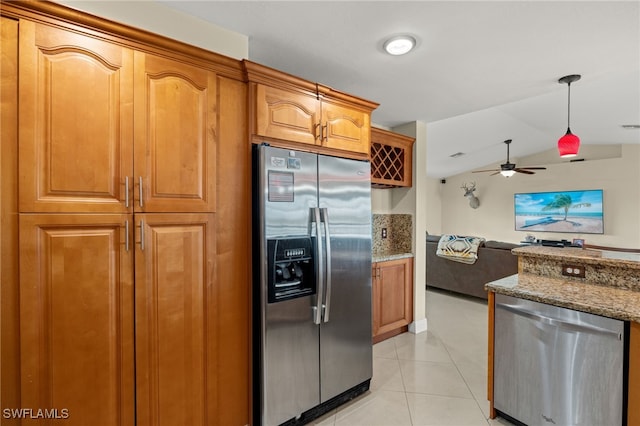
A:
x: 459, y: 248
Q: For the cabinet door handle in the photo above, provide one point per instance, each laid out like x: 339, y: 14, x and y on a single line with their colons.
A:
x: 317, y: 131
x: 325, y: 132
x: 126, y: 235
x: 140, y: 191
x: 126, y: 193
x: 141, y: 234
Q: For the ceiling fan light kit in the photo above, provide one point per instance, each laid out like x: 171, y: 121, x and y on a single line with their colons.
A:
x: 508, y: 169
x: 569, y: 144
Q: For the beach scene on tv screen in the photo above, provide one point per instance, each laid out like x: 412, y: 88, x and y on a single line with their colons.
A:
x: 562, y: 211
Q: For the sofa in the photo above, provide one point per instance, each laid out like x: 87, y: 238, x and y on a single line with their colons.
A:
x: 495, y: 261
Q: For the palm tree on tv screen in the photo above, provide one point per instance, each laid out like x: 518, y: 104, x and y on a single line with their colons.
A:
x: 564, y: 201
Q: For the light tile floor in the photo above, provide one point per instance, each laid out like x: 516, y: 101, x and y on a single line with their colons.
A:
x: 437, y: 378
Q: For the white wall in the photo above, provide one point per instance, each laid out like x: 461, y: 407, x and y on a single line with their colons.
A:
x: 433, y: 200
x: 159, y: 19
x: 494, y: 219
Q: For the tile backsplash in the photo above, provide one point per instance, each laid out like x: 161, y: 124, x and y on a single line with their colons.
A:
x: 399, y: 233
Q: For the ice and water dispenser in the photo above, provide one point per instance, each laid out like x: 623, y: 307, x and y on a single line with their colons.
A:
x: 290, y: 268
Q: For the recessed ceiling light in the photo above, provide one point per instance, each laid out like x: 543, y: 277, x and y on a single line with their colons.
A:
x: 399, y: 45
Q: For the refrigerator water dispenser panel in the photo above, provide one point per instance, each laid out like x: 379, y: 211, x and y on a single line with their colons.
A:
x: 290, y: 268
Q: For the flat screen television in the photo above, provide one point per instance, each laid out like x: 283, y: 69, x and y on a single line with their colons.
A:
x: 560, y: 211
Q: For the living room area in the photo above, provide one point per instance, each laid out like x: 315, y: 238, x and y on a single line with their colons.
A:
x: 445, y: 367
x: 438, y: 205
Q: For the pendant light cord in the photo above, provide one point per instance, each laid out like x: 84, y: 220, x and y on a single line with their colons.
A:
x: 569, y: 108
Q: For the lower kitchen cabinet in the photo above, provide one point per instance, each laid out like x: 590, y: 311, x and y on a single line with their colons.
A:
x: 176, y: 336
x: 77, y: 317
x: 392, y: 297
x: 118, y: 321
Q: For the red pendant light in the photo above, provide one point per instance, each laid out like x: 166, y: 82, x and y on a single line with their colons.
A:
x: 569, y: 144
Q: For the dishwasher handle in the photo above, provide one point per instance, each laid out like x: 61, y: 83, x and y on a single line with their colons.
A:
x: 558, y: 322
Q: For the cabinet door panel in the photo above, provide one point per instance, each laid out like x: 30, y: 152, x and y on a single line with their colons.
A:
x: 175, y: 135
x: 76, y: 318
x: 175, y: 336
x: 346, y: 129
x: 286, y: 115
x: 395, y: 292
x: 375, y: 299
x: 76, y: 121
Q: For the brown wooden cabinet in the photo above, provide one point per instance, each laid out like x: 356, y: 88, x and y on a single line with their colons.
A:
x: 76, y: 121
x: 391, y: 159
x: 392, y: 297
x: 76, y: 317
x: 134, y: 306
x: 89, y: 109
x: 176, y: 335
x: 9, y: 248
x: 288, y: 109
x: 174, y: 136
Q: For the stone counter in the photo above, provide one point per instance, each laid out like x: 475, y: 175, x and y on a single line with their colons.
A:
x: 612, y: 302
x: 610, y: 269
x: 390, y: 255
x: 610, y: 287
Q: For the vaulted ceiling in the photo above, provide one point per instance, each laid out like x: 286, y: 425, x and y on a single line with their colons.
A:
x: 482, y: 71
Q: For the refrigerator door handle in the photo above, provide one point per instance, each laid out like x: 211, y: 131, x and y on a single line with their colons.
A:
x: 327, y: 235
x: 317, y: 310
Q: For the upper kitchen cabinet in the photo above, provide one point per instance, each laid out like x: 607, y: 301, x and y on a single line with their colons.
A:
x: 391, y: 159
x: 89, y: 108
x: 285, y: 109
x: 174, y: 137
x: 76, y: 121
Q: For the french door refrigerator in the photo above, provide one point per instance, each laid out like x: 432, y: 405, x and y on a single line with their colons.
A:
x: 312, y: 283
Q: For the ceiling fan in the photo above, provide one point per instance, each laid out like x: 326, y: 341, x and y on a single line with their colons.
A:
x: 508, y: 169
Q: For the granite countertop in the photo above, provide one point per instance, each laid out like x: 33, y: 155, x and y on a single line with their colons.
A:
x: 384, y: 256
x: 613, y: 302
x: 610, y: 287
x: 586, y: 256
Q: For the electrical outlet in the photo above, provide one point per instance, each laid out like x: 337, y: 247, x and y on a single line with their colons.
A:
x: 573, y: 270
x: 384, y: 232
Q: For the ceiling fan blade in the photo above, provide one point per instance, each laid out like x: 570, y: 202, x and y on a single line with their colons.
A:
x: 532, y: 168
x: 527, y: 172
x: 496, y: 173
x: 481, y: 171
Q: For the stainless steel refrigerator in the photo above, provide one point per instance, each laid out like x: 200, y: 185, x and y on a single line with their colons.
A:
x: 312, y: 283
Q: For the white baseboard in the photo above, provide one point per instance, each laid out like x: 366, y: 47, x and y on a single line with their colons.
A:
x: 417, y: 327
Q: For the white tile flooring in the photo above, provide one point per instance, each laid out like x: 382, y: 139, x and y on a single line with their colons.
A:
x: 437, y: 378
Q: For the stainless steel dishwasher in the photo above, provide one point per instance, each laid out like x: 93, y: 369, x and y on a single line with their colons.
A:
x: 556, y: 366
